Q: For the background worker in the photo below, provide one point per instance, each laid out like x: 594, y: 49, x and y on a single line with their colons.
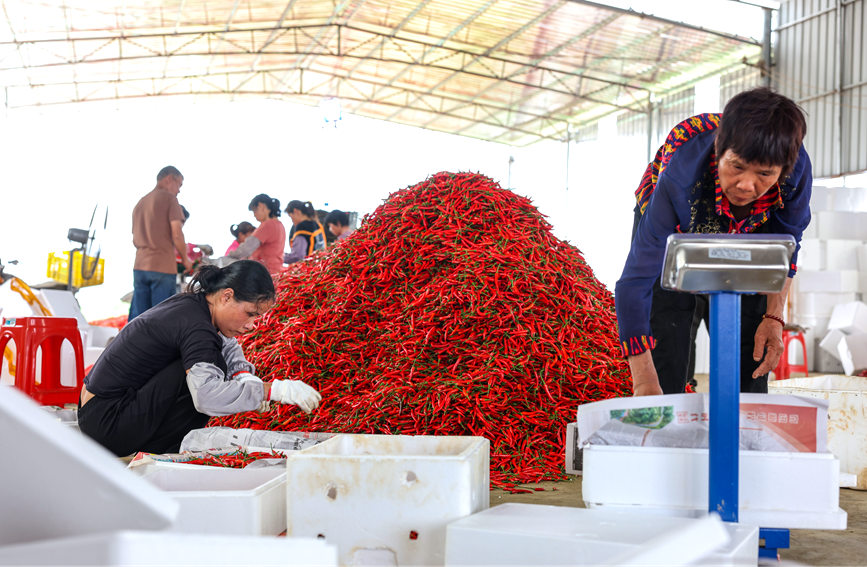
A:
x: 337, y: 223
x: 307, y: 235
x: 745, y: 171
x: 157, y: 233
x: 240, y: 231
x: 267, y: 241
x: 179, y: 363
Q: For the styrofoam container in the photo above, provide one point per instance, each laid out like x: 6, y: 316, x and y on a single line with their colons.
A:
x: 841, y: 254
x: 841, y: 225
x: 99, y: 337
x: 819, y: 304
x: 849, y: 318
x: 852, y: 350
x: 830, y: 341
x: 218, y: 500
x: 386, y: 495
x: 775, y: 490
x: 847, y: 416
x: 819, y: 325
x: 821, y: 199
x: 838, y: 281
x: 811, y: 254
x: 851, y: 199
x: 532, y: 534
x: 57, y: 482
x: 826, y: 363
x: 167, y: 548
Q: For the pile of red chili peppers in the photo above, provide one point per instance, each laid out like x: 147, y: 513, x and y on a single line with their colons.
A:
x: 236, y: 459
x: 452, y: 310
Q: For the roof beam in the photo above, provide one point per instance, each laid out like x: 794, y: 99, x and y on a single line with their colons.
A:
x: 632, y: 12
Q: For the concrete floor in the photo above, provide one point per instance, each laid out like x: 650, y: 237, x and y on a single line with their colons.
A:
x: 837, y: 548
x: 807, y: 547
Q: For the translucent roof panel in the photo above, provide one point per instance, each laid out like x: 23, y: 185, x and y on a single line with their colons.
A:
x: 511, y: 71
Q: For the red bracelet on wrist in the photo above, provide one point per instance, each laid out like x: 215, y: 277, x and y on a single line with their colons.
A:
x: 775, y: 318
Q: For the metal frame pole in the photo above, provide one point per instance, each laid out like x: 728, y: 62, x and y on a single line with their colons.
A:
x: 723, y: 465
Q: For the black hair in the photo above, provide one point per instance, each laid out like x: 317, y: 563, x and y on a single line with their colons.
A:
x: 186, y: 213
x: 306, y: 208
x: 272, y: 204
x: 169, y: 170
x: 762, y: 127
x: 242, y: 227
x: 337, y: 217
x: 249, y: 280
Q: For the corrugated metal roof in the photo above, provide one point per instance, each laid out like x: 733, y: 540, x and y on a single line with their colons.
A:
x: 511, y: 71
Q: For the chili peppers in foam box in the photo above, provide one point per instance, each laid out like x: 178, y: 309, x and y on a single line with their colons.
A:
x: 767, y: 423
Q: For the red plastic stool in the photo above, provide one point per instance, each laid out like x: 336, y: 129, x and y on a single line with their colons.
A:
x: 784, y: 370
x: 31, y: 333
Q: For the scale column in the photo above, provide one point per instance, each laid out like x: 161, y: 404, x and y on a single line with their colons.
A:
x: 724, y: 404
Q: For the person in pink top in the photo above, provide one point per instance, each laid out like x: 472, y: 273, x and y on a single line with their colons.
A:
x: 240, y: 231
x: 268, y: 240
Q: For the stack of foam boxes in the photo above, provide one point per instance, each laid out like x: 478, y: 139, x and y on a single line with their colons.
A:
x: 832, y: 269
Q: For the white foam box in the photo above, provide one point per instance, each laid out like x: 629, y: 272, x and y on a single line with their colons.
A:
x: 830, y: 342
x: 137, y: 548
x: 58, y: 483
x: 862, y: 258
x: 849, y: 318
x: 852, y: 350
x: 391, y: 495
x: 776, y: 489
x: 853, y: 199
x: 847, y: 416
x: 218, y: 500
x: 862, y: 270
x: 838, y: 281
x: 841, y: 225
x: 532, y: 534
x: 811, y: 255
x: 819, y: 304
x: 841, y: 254
x: 99, y: 337
x: 825, y: 362
x: 822, y: 199
x: 819, y: 325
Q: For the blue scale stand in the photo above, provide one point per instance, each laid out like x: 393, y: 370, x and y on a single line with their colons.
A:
x: 725, y: 267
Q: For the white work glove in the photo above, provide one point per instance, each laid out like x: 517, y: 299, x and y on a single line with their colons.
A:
x: 295, y: 392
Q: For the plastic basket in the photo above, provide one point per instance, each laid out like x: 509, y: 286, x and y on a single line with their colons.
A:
x: 58, y: 268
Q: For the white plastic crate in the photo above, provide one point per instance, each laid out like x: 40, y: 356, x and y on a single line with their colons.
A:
x: 218, y: 500
x: 775, y: 489
x: 847, y: 416
x: 528, y: 534
x: 57, y: 482
x: 386, y: 497
x: 165, y: 548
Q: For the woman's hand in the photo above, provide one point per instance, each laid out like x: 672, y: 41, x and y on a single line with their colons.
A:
x: 768, y: 344
x: 295, y: 392
x: 645, y: 382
